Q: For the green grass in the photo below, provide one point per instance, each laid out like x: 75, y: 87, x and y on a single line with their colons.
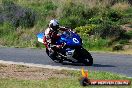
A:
x: 95, y: 43
x: 72, y: 82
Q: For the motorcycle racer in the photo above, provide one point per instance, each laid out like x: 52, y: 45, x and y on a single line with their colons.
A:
x: 51, y: 36
x: 51, y: 33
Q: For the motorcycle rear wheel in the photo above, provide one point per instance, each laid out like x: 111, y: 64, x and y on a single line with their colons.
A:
x: 53, y: 56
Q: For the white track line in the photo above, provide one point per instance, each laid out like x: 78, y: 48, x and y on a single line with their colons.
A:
x: 37, y: 65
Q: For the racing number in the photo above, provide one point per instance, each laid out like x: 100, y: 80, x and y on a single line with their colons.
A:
x: 75, y: 40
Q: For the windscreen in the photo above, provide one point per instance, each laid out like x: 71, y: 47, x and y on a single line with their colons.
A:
x: 68, y: 34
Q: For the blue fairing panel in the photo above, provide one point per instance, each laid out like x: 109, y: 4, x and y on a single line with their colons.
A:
x: 40, y: 35
x: 72, y: 40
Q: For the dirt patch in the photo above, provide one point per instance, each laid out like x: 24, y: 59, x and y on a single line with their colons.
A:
x: 127, y: 27
x: 30, y: 73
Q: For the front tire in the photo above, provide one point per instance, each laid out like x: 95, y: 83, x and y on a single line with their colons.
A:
x: 84, y: 57
x: 88, y: 60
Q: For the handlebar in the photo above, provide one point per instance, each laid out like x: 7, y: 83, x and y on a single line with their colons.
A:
x: 62, y: 46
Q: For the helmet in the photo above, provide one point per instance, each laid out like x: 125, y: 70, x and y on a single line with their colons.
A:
x: 54, y: 24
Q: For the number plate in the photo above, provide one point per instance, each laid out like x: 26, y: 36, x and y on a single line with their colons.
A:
x: 70, y: 52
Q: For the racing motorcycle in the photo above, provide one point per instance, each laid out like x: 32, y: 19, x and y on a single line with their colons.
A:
x: 71, y: 51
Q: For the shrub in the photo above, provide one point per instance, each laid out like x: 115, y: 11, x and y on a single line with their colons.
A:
x: 112, y: 31
x: 124, y: 21
x: 128, y: 34
x: 93, y: 42
x: 27, y: 19
x: 109, y: 31
x: 112, y: 2
x: 6, y: 28
x: 1, y: 18
x: 100, y: 43
x: 123, y: 41
x: 72, y: 21
x: 45, y: 11
x: 117, y: 47
x: 96, y: 20
x: 128, y: 13
x: 114, y: 15
x: 47, y: 7
x: 17, y: 15
x: 120, y: 6
x: 104, y: 30
x: 1, y: 15
x: 76, y: 14
x: 86, y: 29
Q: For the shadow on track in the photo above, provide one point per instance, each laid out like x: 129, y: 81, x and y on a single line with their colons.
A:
x: 99, y: 65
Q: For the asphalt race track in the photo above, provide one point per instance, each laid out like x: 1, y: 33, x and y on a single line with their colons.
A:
x: 117, y: 63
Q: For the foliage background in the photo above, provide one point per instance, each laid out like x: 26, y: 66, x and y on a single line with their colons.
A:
x: 99, y: 22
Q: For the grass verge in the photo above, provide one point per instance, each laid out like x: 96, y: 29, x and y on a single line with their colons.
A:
x: 15, y: 76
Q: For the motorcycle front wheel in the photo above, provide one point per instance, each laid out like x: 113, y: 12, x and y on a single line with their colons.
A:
x: 83, y: 56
